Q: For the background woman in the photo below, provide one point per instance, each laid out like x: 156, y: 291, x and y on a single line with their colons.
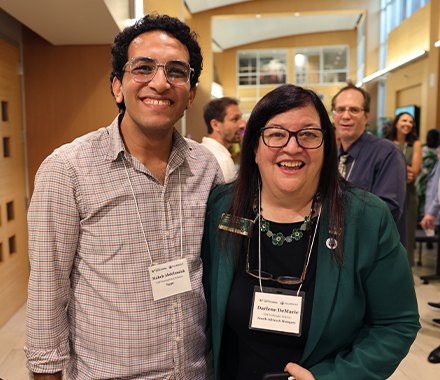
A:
x: 403, y: 133
x: 303, y: 271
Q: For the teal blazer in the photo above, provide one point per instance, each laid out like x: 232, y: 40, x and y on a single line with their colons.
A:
x: 364, y: 316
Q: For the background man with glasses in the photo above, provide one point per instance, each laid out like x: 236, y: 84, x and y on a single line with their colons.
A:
x: 225, y: 125
x: 377, y: 165
x: 115, y: 227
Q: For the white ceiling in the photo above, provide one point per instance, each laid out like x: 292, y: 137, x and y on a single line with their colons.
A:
x: 95, y: 22
x: 195, y: 6
x: 228, y: 33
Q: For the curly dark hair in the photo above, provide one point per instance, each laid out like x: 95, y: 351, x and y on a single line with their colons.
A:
x: 150, y: 23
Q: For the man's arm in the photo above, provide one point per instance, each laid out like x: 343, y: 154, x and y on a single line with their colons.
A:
x: 53, y: 222
x: 390, y: 181
x: 432, y: 204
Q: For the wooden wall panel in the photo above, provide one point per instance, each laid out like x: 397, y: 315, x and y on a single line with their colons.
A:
x: 67, y: 94
x: 409, y: 96
x: 410, y: 36
x: 408, y: 78
x: 14, y: 262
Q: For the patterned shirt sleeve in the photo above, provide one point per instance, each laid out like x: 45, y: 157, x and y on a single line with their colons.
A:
x: 53, y: 221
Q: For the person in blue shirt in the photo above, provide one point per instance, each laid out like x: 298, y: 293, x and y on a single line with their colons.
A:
x: 375, y: 164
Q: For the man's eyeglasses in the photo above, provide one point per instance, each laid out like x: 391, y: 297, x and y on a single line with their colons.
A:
x: 278, y: 137
x: 143, y: 69
x: 351, y: 110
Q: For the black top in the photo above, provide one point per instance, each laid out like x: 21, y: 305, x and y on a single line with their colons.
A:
x: 248, y: 354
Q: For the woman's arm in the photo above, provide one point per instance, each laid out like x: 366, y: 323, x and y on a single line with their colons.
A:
x: 416, y: 162
x: 374, y: 316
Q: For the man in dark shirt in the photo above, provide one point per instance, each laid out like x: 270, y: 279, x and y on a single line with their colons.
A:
x: 377, y: 165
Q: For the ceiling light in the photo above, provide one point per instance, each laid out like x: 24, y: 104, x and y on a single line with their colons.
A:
x: 437, y: 44
x: 394, y: 66
x: 216, y: 90
x: 258, y: 16
x: 296, y: 14
x: 300, y: 60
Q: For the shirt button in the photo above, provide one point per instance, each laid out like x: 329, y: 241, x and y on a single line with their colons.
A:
x: 175, y: 305
x: 178, y: 339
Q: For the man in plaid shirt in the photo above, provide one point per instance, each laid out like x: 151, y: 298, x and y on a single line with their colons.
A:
x: 115, y: 227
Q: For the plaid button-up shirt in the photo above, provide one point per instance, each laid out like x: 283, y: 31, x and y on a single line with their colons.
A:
x: 90, y: 308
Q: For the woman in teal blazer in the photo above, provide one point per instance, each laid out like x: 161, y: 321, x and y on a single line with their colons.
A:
x: 364, y: 314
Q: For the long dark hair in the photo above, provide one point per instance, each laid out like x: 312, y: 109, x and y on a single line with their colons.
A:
x: 410, y: 137
x: 244, y: 189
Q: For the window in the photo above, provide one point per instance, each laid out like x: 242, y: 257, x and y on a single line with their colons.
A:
x: 10, y: 211
x: 262, y: 67
x: 360, y: 70
x: 321, y: 65
x: 5, y: 116
x: 6, y: 147
x: 12, y: 247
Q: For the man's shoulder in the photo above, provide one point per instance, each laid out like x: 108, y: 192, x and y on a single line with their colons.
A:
x: 89, y: 142
x: 379, y: 143
x: 199, y: 148
x: 379, y: 148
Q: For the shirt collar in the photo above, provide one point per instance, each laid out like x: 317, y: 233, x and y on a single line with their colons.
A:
x: 178, y: 154
x: 215, y: 144
x: 355, y: 148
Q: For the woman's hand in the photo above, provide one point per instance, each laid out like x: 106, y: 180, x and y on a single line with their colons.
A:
x: 298, y: 372
x: 410, y: 175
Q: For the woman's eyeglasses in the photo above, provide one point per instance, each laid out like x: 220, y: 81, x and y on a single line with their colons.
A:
x: 279, y: 137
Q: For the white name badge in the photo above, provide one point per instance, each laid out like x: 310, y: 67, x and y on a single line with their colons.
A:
x: 277, y: 310
x: 169, y: 279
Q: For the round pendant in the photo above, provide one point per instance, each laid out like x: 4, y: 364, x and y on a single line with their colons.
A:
x: 331, y: 243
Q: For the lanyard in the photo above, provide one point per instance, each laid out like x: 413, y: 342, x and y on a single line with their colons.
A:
x: 259, y: 243
x: 140, y: 219
x: 351, y: 168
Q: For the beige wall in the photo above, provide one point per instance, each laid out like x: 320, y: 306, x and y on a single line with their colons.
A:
x: 67, y: 94
x: 410, y: 36
x: 418, y: 82
x: 14, y: 263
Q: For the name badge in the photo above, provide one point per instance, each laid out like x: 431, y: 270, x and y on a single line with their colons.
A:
x: 277, y: 310
x: 169, y: 279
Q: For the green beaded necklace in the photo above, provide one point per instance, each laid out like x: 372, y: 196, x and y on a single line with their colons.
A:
x: 279, y: 239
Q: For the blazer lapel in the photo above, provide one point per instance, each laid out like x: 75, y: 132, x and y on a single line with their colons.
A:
x: 327, y: 278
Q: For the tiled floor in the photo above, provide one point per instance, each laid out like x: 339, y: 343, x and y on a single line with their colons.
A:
x: 414, y: 367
